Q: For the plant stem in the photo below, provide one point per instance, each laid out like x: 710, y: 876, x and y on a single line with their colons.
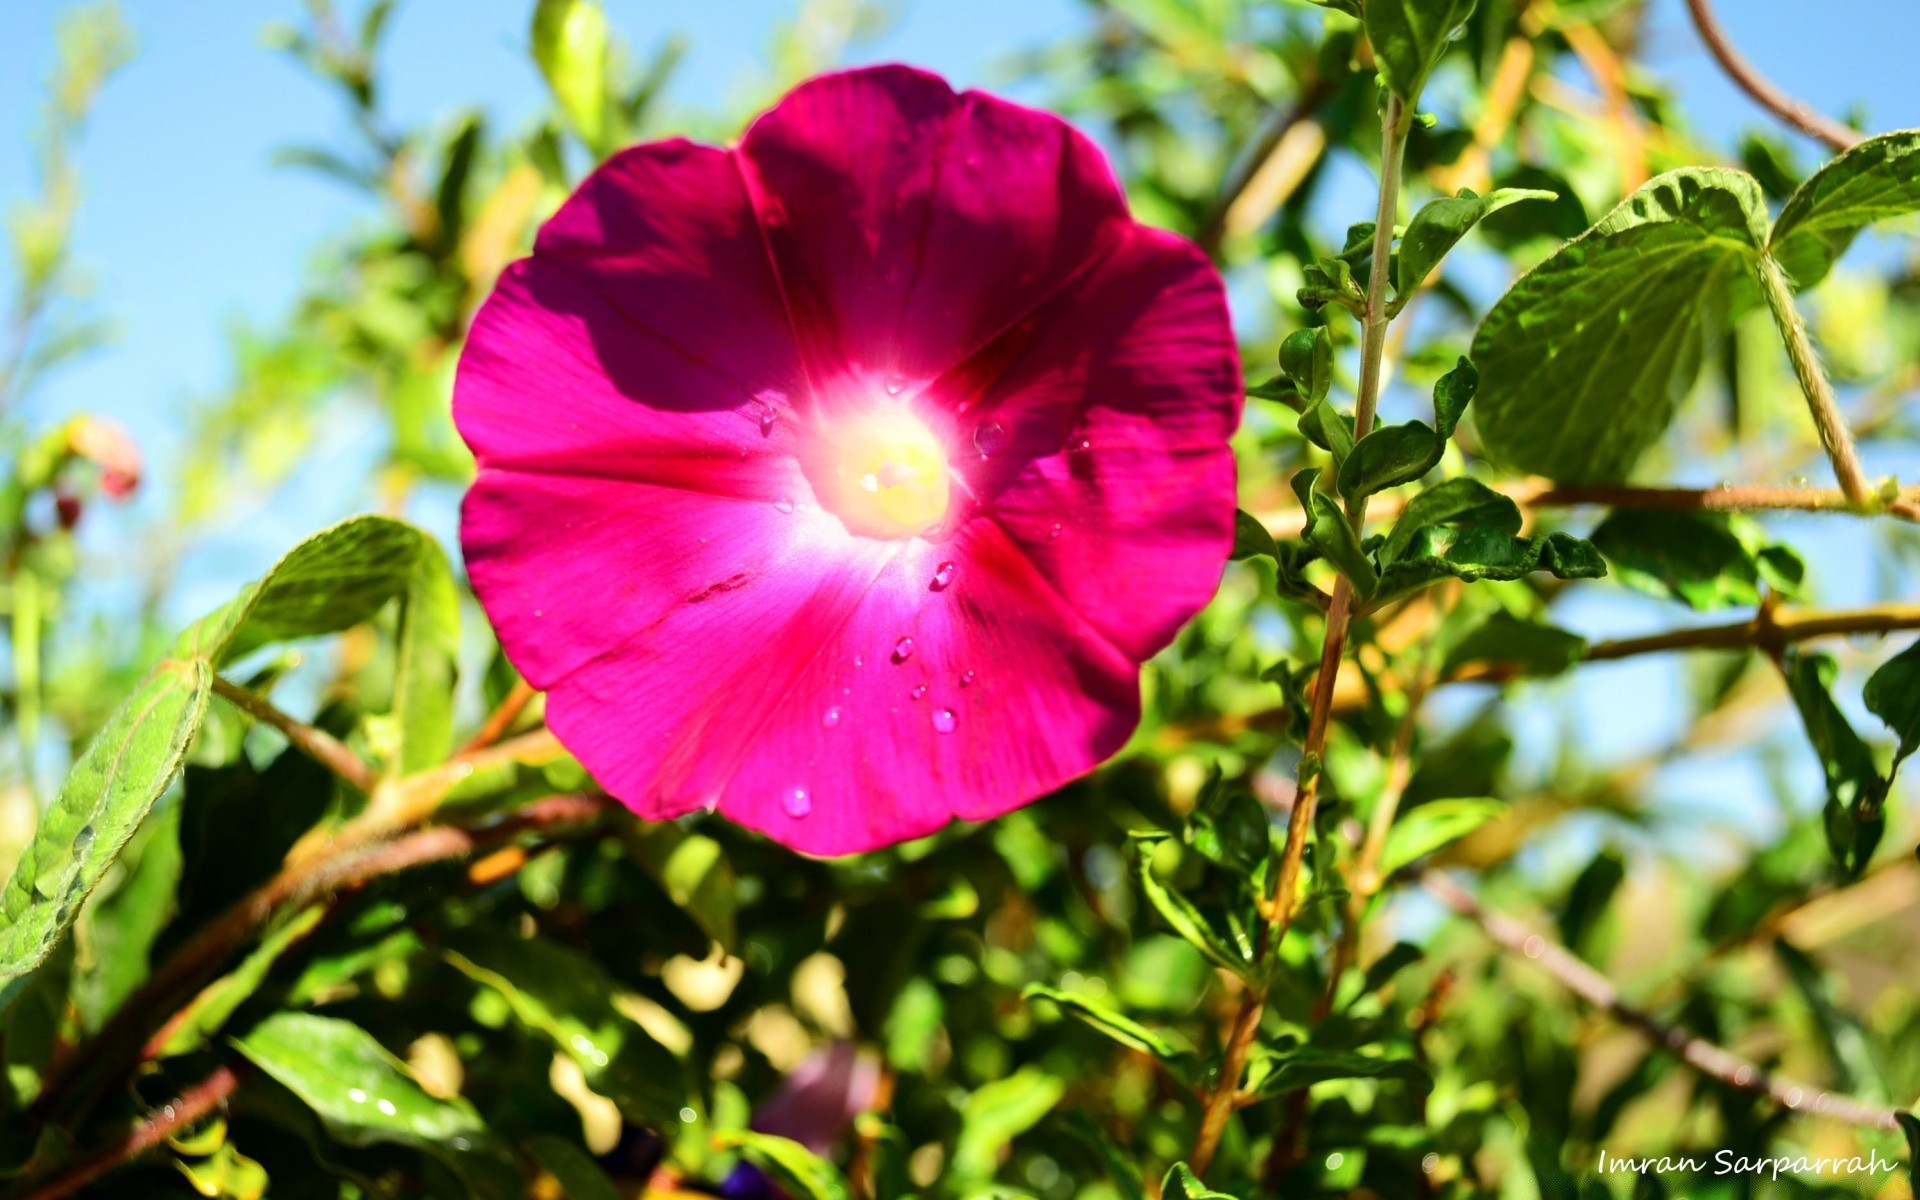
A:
x: 502, y: 718
x: 1813, y: 381
x: 316, y: 744
x: 156, y: 1127
x: 1246, y: 1022
x: 1763, y: 92
x: 1596, y: 989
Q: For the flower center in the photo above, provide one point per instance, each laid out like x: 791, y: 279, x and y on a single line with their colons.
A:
x: 882, y: 472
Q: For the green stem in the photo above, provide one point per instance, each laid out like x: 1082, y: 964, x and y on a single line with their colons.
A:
x: 1813, y: 381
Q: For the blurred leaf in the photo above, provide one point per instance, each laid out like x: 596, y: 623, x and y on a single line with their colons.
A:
x: 804, y: 1174
x: 423, y: 682
x: 1563, y: 217
x: 1439, y: 226
x: 1437, y: 823
x: 1186, y: 919
x: 207, y: 1013
x: 1229, y: 827
x: 1587, y: 900
x: 106, y: 795
x: 1531, y: 647
x: 1182, y: 1184
x: 1120, y: 1027
x: 1877, y: 180
x: 1893, y: 694
x: 694, y: 872
x: 572, y: 46
x: 1585, y: 359
x: 118, y: 928
x: 1277, y: 1072
x: 1409, y: 36
x: 365, y: 1096
x: 1692, y: 557
x: 579, y: 1176
x: 996, y: 1113
x: 1854, y: 814
x: 917, y: 1017
x: 1910, y: 1125
x: 1250, y: 537
x: 569, y: 999
x: 1381, y: 971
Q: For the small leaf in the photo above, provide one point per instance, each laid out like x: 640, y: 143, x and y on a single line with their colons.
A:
x: 572, y: 47
x: 1306, y: 357
x: 1275, y: 1073
x: 1183, y: 915
x: 206, y: 1013
x: 1856, y: 795
x: 1182, y: 1184
x: 1877, y: 180
x: 1452, y: 393
x: 1330, y: 534
x: 1120, y: 1027
x: 104, y: 799
x: 1437, y: 823
x: 365, y: 1096
x: 802, y: 1173
x: 1460, y: 501
x: 1440, y: 224
x: 1480, y: 552
x: 1586, y: 358
x: 429, y: 645
x: 1389, y: 456
x: 1530, y: 646
x: 1229, y: 827
x: 1692, y: 557
x: 1382, y: 970
x: 579, y: 1176
x: 996, y: 1113
x: 1250, y: 537
x: 1910, y: 1125
x: 1409, y: 36
x: 1893, y: 694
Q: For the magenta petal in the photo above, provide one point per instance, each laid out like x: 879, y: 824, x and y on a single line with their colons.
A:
x: 912, y: 224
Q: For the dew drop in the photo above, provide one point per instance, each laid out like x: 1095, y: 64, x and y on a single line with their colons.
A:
x: 944, y: 721
x: 966, y: 679
x: 858, y: 661
x: 903, y: 650
x: 989, y: 438
x: 784, y: 504
x: 356, y: 1095
x: 1083, y: 445
x: 1054, y: 532
x: 83, y: 841
x: 386, y: 1106
x: 943, y: 576
x: 895, y: 385
x: 168, y: 1112
x: 918, y: 691
x: 797, y: 803
x: 767, y: 421
x: 831, y: 717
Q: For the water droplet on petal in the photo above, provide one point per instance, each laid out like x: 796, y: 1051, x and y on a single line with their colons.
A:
x: 858, y: 662
x: 767, y: 421
x: 944, y: 721
x: 918, y: 692
x: 797, y: 803
x: 990, y: 438
x: 83, y: 841
x: 903, y: 650
x: 784, y: 504
x: 831, y: 717
x: 966, y: 679
x: 1054, y: 532
x: 895, y: 384
x: 1083, y: 445
x: 943, y: 576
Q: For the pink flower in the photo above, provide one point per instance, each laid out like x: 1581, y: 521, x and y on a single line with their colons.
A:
x: 842, y: 480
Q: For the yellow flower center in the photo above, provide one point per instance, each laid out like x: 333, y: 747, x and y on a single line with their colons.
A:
x: 882, y: 472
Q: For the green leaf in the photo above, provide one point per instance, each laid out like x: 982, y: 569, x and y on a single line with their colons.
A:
x: 1229, y: 827
x: 1585, y: 359
x: 1893, y: 694
x: 694, y: 872
x: 996, y: 1113
x: 1875, y: 181
x: 1409, y: 36
x: 1440, y: 224
x: 1856, y: 795
x: 1250, y: 537
x: 1422, y: 830
x: 429, y: 645
x: 569, y: 999
x: 580, y: 1177
x: 1452, y: 393
x: 804, y: 1174
x: 1460, y: 501
x: 1181, y: 913
x: 1329, y: 532
x: 1530, y: 646
x: 1182, y: 1184
x: 105, y: 797
x: 117, y: 930
x: 1910, y: 1125
x: 1481, y: 552
x: 365, y: 1097
x: 572, y: 47
x: 1306, y: 358
x: 1693, y: 557
x: 1118, y: 1026
x: 206, y: 1013
x: 1277, y: 1072
x: 1388, y: 457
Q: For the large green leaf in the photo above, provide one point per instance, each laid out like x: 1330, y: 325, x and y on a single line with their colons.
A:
x: 1585, y: 359
x: 569, y: 1000
x: 996, y: 1113
x: 1462, y: 501
x: 1875, y: 181
x: 107, y: 794
x: 1409, y: 36
x: 1530, y: 646
x: 1855, y: 814
x: 1693, y: 557
x: 1893, y: 694
x: 1224, y: 946
x: 365, y: 1096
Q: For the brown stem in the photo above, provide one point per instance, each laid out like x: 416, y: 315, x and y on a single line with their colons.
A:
x: 1793, y: 112
x: 158, y: 1125
x: 502, y: 718
x: 1596, y: 989
x: 316, y: 744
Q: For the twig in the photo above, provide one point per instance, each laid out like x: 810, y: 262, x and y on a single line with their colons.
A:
x: 502, y: 718
x: 1589, y: 985
x: 1763, y: 92
x: 158, y: 1125
x: 1821, y: 401
x: 317, y: 744
x: 1254, y: 160
x: 1610, y: 76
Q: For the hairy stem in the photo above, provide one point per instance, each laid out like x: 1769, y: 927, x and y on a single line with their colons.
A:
x: 1821, y: 401
x: 317, y: 744
x: 1596, y: 989
x: 1760, y: 89
x: 154, y: 1129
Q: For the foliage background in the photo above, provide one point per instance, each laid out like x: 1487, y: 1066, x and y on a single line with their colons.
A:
x: 278, y: 340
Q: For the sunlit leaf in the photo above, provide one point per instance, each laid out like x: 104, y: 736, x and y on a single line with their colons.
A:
x: 1431, y: 826
x: 1893, y: 694
x: 995, y: 1113
x: 1441, y: 223
x: 1409, y: 36
x: 1877, y: 180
